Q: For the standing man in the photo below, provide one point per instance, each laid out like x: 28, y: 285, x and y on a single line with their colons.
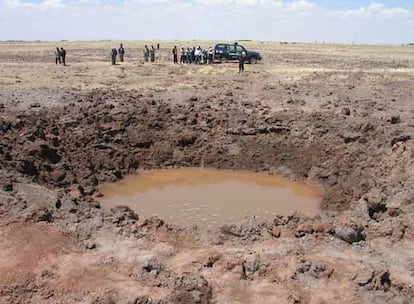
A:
x: 175, y: 54
x: 242, y: 58
x: 57, y: 56
x: 210, y: 55
x: 187, y: 55
x: 63, y: 55
x: 152, y: 53
x: 158, y: 46
x: 146, y: 53
x: 193, y: 55
x: 121, y: 52
x: 113, y: 55
x: 182, y: 58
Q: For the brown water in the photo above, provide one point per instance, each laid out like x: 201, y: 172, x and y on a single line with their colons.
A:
x: 209, y: 197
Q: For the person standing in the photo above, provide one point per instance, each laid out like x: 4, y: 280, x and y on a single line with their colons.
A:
x: 113, y: 55
x: 158, y: 46
x: 152, y: 53
x: 205, y: 56
x: 175, y: 54
x: 57, y: 56
x: 121, y: 52
x: 187, y: 56
x: 210, y: 55
x: 182, y: 58
x: 63, y: 55
x: 242, y: 58
x: 193, y: 54
x: 146, y: 53
x: 197, y: 55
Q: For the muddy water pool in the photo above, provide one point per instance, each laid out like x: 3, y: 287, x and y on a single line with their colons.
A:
x: 209, y: 197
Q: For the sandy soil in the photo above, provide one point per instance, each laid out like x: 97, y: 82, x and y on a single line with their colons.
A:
x: 337, y: 116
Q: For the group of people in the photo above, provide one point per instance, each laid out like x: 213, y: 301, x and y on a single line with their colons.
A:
x: 60, y: 56
x: 195, y: 55
x: 149, y: 53
x: 114, y: 52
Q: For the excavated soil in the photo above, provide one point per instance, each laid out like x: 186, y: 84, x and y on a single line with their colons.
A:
x: 338, y: 117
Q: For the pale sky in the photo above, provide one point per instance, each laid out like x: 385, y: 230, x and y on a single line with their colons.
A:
x: 388, y: 21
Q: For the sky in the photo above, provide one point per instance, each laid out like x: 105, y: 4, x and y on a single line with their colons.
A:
x: 385, y: 21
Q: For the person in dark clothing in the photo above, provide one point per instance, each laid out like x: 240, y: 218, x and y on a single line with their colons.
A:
x: 193, y: 55
x: 146, y: 53
x: 152, y: 53
x: 175, y: 54
x: 188, y: 56
x: 158, y: 46
x: 210, y: 55
x: 63, y: 55
x: 182, y: 58
x: 205, y: 56
x: 242, y: 58
x: 121, y: 52
x: 113, y: 55
x: 57, y: 56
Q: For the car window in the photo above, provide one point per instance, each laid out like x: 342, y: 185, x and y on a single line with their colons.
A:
x: 231, y: 48
x: 220, y: 47
x: 239, y: 49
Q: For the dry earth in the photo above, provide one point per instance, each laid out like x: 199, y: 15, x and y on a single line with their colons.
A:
x: 338, y: 116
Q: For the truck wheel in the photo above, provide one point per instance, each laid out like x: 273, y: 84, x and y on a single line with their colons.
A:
x: 253, y: 60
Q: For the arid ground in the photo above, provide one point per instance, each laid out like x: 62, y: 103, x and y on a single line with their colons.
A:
x: 339, y: 117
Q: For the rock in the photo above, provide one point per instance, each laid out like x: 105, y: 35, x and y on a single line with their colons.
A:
x: 322, y: 228
x: 346, y: 111
x: 110, y: 297
x: 402, y: 138
x: 27, y: 167
x: 395, y: 205
x: 191, y: 288
x: 375, y: 202
x: 382, y: 280
x: 140, y: 300
x: 359, y: 211
x: 212, y: 259
x: 315, y: 270
x: 193, y: 98
x: 304, y: 229
x: 152, y: 265
x: 350, y: 137
x: 123, y: 213
x: 90, y: 245
x: 139, y: 138
x: 41, y: 214
x: 350, y: 233
x: 246, y: 229
x: 35, y: 105
x: 186, y: 139
x: 250, y: 267
x: 364, y: 276
x: 275, y: 232
x: 395, y: 119
x: 153, y: 222
x: 278, y: 129
x: 43, y: 150
x: 7, y: 186
x: 58, y: 175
